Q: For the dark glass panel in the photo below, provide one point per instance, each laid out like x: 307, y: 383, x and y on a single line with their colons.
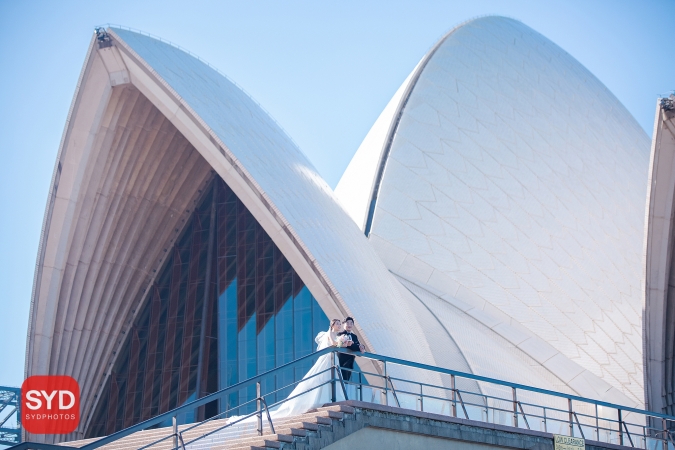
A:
x: 227, y: 342
x: 259, y: 315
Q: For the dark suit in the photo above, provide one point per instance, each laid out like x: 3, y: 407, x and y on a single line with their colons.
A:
x: 347, y: 361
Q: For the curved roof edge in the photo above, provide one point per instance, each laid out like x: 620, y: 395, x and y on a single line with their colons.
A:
x: 357, y: 182
x: 659, y: 243
x: 49, y: 207
x: 359, y: 185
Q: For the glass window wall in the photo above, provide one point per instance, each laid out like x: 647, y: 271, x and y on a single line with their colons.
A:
x: 226, y: 306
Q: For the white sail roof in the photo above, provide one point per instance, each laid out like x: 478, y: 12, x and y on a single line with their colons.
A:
x: 512, y: 183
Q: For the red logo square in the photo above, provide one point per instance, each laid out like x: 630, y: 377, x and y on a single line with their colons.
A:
x: 50, y: 404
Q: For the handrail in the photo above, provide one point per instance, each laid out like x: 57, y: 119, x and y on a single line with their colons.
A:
x: 229, y: 424
x: 182, y: 443
x: 33, y: 445
x: 472, y: 376
x: 579, y: 425
x: 393, y: 390
x: 197, y: 403
x: 388, y: 381
x: 267, y: 411
x: 342, y: 380
x: 223, y: 413
x: 522, y: 411
x: 628, y: 434
x: 459, y: 395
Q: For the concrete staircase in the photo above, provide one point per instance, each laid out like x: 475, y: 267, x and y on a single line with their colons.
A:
x: 238, y: 437
x: 293, y: 430
x: 354, y: 425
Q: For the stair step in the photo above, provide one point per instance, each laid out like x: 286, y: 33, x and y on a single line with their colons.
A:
x: 340, y: 408
x: 324, y: 421
x: 271, y: 441
x: 293, y: 431
x: 310, y: 426
x: 243, y: 435
x: 248, y: 447
x: 308, y: 422
x: 288, y: 429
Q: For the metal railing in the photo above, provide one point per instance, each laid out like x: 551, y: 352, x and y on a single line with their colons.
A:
x: 421, y: 387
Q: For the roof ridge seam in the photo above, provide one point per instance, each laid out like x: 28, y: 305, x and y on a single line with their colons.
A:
x: 202, y: 60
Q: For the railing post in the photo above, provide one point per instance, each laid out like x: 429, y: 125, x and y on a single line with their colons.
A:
x: 454, y: 395
x: 515, y: 408
x: 597, y: 423
x: 569, y: 408
x: 665, y: 434
x: 421, y: 397
x: 259, y: 404
x: 386, y: 385
x: 174, y: 422
x: 269, y: 418
x: 544, y: 420
x: 620, y: 427
x: 333, y: 376
x: 360, y: 386
x: 342, y: 385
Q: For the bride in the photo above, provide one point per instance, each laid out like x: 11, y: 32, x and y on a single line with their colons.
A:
x: 318, y: 377
x: 316, y: 397
x: 320, y: 395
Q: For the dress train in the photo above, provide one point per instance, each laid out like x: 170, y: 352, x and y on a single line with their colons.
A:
x: 315, y: 398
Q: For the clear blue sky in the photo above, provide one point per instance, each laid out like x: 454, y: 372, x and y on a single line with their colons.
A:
x: 323, y: 69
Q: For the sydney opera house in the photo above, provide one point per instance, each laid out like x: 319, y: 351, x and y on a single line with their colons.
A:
x: 494, y: 215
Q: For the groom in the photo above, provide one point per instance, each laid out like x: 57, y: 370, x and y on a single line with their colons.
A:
x: 347, y: 361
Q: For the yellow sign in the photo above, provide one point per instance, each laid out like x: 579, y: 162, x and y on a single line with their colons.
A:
x: 568, y: 443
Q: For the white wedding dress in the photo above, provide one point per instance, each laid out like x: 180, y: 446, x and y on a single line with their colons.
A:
x: 311, y: 399
x: 295, y: 406
x: 316, y: 397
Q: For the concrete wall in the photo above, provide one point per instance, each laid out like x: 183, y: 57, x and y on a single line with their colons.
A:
x: 372, y: 438
x: 385, y: 427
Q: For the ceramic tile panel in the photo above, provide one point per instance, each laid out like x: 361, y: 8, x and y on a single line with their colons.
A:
x: 545, y: 181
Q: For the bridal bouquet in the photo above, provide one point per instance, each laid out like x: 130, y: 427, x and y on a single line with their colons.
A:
x: 342, y: 340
